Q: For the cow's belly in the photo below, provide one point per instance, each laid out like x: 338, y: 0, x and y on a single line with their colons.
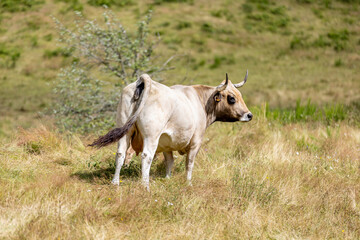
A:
x: 174, y: 141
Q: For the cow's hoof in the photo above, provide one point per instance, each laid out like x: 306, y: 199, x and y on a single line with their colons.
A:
x: 115, y: 182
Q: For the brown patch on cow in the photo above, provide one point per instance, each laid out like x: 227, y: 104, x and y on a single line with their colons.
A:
x: 137, y: 142
x: 204, y: 92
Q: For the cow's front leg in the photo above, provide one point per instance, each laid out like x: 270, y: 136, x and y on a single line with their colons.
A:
x: 190, y: 158
x: 169, y: 159
x: 123, y: 145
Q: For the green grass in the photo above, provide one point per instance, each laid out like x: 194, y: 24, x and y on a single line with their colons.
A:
x: 308, y: 112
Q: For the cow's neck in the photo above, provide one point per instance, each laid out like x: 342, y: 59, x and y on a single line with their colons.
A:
x: 206, y: 96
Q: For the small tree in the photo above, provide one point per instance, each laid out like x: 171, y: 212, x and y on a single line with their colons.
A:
x: 82, y: 103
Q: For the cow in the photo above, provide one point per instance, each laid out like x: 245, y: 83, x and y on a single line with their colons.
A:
x: 155, y: 118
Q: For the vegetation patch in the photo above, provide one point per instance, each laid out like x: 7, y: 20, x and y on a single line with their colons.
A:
x: 308, y: 112
x: 223, y: 13
x: 183, y: 24
x: 109, y: 3
x: 338, y: 39
x: 83, y: 103
x: 72, y: 5
x: 8, y: 56
x: 249, y: 189
x: 221, y: 60
x: 18, y: 5
x: 158, y: 2
x: 57, y: 52
x: 265, y: 16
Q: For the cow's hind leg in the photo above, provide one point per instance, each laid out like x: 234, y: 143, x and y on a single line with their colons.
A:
x: 190, y: 158
x: 123, y: 145
x: 169, y: 159
x: 149, y: 150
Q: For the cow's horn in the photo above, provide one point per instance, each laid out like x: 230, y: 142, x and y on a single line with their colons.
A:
x: 223, y: 86
x: 243, y: 82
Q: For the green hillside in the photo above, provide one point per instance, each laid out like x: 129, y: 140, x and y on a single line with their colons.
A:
x: 293, y: 49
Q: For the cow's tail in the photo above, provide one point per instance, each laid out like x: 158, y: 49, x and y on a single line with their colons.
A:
x: 143, y: 86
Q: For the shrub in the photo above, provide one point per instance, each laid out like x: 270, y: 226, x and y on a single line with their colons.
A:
x: 82, y: 103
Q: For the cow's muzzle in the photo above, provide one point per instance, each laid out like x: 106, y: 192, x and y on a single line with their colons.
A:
x: 246, y: 117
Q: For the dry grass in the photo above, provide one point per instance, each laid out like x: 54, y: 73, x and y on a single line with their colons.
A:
x: 256, y: 180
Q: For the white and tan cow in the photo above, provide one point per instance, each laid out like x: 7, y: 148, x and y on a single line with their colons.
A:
x: 152, y: 117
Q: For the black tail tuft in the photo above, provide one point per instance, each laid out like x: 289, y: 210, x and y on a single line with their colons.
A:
x: 109, y: 138
x: 114, y: 135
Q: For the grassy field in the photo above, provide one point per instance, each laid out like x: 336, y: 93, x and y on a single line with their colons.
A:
x: 291, y: 173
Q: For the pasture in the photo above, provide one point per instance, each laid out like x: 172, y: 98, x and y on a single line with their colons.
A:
x: 293, y: 172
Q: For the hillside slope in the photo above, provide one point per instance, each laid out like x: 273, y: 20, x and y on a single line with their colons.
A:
x: 293, y: 49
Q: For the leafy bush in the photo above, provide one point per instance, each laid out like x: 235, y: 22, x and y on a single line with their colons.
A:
x: 82, y: 103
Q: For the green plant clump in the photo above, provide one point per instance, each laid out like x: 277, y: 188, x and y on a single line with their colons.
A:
x: 8, y: 56
x: 82, y: 103
x: 18, y: 5
x: 109, y: 3
x: 308, y: 112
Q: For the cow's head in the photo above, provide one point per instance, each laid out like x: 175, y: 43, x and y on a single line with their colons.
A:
x: 229, y: 104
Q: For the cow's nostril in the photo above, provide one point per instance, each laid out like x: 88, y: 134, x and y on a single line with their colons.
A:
x: 250, y: 116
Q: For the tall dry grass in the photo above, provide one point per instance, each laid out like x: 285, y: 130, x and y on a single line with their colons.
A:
x: 257, y: 180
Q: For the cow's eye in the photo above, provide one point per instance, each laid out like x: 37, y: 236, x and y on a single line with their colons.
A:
x: 231, y: 100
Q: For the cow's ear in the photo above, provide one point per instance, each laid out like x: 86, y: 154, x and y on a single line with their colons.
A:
x: 217, y: 97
